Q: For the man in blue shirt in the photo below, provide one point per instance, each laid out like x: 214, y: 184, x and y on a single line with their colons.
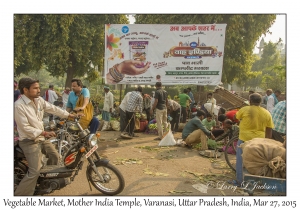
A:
x: 78, y: 89
x: 195, y: 132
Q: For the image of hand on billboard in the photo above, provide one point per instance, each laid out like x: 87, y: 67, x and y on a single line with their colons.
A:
x: 171, y: 54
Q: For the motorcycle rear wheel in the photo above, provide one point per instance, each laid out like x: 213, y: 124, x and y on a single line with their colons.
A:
x: 20, y: 170
x: 113, y: 182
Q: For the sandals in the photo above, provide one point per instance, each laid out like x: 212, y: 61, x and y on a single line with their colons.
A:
x: 126, y: 136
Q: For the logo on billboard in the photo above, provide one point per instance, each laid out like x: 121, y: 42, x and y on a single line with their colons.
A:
x: 125, y: 29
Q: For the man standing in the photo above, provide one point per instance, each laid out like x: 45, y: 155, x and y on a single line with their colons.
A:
x: 190, y: 94
x: 51, y: 97
x: 122, y: 107
x: 107, y: 108
x: 65, y: 96
x: 29, y: 111
x: 174, y: 113
x: 270, y: 100
x: 147, y: 105
x: 135, y: 104
x: 195, y: 132
x: 275, y: 95
x: 183, y: 98
x: 79, y: 91
x: 279, y: 120
x: 160, y: 107
x: 255, y: 122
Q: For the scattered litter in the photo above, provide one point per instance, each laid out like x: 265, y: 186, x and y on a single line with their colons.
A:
x: 180, y: 192
x: 147, y: 171
x: 200, y: 187
x: 113, y: 152
x: 121, y: 161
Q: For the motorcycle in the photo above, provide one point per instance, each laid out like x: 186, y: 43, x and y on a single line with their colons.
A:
x: 105, y: 177
x: 66, y: 134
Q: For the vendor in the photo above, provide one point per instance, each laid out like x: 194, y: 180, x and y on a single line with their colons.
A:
x: 195, y: 132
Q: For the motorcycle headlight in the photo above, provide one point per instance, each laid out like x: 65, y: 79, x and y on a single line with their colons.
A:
x: 93, y: 140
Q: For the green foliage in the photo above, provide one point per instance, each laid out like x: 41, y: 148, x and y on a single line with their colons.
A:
x: 69, y: 43
x: 270, y: 73
x: 242, y: 32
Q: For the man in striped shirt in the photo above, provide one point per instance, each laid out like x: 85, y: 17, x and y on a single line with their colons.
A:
x: 135, y: 104
x: 279, y: 120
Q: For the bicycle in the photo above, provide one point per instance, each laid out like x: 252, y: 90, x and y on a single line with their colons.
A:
x: 229, y: 157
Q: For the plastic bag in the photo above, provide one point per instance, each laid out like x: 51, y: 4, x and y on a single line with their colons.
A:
x: 168, y: 140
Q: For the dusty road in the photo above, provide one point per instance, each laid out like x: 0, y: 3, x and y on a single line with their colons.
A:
x: 152, y: 170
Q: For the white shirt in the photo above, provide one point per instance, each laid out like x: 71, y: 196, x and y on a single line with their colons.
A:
x: 65, y: 97
x: 270, y: 103
x: 124, y: 102
x: 52, y: 96
x: 29, y: 116
x: 108, y: 101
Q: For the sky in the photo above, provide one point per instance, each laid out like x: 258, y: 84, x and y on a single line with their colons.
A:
x: 278, y: 30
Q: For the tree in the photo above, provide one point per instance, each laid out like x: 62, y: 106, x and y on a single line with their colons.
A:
x: 242, y: 32
x: 270, y: 68
x: 71, y: 44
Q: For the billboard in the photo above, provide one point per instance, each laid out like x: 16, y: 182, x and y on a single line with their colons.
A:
x: 172, y: 54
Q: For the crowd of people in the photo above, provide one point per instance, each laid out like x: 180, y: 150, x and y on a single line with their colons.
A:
x: 265, y: 117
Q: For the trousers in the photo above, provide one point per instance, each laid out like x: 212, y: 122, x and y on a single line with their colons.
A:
x: 239, y: 162
x: 161, y: 120
x: 196, y: 137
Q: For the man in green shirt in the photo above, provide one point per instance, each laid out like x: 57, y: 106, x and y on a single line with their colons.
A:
x: 195, y: 132
x: 183, y: 98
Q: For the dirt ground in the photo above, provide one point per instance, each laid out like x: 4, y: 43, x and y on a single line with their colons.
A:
x: 152, y: 170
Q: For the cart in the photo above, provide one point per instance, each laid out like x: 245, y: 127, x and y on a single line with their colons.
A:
x: 235, y: 100
x: 269, y: 185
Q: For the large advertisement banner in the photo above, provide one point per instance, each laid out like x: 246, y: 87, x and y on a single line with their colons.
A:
x: 172, y: 54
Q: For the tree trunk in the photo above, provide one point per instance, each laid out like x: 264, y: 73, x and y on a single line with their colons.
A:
x: 70, y: 72
x: 70, y: 75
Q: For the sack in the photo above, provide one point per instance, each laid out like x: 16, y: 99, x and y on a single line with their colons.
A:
x: 168, y: 140
x: 264, y: 157
x: 115, y: 125
x: 136, y: 124
x: 181, y: 126
x: 88, y: 112
x: 106, y: 126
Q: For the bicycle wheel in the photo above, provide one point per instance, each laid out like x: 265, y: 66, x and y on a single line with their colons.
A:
x: 113, y: 182
x: 230, y: 153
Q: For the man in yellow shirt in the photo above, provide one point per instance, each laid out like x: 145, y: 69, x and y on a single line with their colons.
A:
x: 255, y: 122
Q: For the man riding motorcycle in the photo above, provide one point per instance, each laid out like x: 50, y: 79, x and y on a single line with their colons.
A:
x: 29, y: 110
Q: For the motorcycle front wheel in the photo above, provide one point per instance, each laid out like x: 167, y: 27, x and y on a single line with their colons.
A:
x: 113, y: 182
